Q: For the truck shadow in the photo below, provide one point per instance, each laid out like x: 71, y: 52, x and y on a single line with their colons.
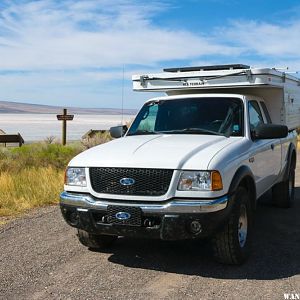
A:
x: 276, y: 250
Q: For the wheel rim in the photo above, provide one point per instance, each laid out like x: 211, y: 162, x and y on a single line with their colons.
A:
x: 243, y: 226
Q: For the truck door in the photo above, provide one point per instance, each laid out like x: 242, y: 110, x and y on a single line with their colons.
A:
x: 265, y: 155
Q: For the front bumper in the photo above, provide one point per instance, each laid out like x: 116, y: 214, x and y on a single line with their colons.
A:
x: 173, y: 206
x: 171, y: 220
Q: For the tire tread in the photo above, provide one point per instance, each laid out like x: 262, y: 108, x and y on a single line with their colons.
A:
x: 224, y: 244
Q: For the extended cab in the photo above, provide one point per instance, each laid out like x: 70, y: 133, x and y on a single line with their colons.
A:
x: 193, y: 163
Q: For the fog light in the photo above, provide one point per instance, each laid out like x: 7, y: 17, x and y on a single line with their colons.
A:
x: 195, y: 227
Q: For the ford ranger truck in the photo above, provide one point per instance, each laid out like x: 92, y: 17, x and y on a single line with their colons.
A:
x: 192, y: 164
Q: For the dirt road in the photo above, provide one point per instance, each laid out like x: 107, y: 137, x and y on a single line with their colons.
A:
x: 40, y: 258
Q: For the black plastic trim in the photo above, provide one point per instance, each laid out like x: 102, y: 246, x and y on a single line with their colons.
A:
x: 292, y: 149
x: 242, y: 173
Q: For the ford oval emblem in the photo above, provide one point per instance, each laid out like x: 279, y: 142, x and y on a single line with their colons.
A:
x: 127, y: 181
x: 123, y: 215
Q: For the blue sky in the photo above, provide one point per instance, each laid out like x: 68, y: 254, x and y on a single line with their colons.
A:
x: 72, y: 53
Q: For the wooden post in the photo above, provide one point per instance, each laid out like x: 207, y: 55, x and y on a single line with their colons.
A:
x: 64, y: 117
x: 64, y: 128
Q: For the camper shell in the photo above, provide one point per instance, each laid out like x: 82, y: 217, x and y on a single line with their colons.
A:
x: 279, y: 90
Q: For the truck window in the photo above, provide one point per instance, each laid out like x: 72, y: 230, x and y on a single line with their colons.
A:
x: 264, y: 107
x: 214, y: 115
x: 255, y: 115
x: 147, y: 122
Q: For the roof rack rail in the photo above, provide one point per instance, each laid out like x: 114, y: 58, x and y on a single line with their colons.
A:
x: 207, y: 68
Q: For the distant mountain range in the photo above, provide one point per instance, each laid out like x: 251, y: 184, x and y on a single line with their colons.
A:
x: 25, y: 108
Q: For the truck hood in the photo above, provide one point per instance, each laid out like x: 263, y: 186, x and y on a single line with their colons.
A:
x: 163, y: 151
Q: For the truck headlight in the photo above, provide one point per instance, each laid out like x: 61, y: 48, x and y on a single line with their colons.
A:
x: 200, y: 181
x: 75, y: 176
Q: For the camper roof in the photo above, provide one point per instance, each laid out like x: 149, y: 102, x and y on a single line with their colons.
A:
x: 212, y: 77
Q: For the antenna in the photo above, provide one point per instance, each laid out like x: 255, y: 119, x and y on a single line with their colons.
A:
x: 122, y: 119
x: 123, y: 93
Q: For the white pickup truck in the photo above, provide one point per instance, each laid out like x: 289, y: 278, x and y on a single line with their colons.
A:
x: 193, y: 163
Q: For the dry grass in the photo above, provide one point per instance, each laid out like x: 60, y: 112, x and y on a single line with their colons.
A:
x: 99, y: 138
x: 3, y: 222
x: 29, y: 188
x: 32, y: 175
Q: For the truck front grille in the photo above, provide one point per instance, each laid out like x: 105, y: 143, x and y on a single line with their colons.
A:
x: 141, y: 182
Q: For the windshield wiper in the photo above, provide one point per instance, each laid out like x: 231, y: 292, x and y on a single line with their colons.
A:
x: 178, y: 131
x: 193, y: 131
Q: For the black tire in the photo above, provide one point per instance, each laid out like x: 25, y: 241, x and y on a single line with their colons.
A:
x: 283, y: 193
x: 93, y: 241
x: 232, y: 245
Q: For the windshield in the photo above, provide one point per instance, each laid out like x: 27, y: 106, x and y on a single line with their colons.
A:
x: 218, y: 116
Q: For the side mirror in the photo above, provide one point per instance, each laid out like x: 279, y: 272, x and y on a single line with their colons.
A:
x: 270, y: 131
x: 118, y: 131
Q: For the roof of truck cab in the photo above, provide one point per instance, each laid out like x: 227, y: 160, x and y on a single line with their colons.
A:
x: 189, y: 96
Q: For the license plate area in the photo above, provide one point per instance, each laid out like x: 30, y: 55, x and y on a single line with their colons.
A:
x: 124, y: 215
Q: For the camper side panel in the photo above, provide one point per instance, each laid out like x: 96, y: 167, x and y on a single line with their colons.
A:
x: 292, y: 106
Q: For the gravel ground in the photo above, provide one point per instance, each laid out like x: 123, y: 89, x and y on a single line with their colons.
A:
x: 40, y: 258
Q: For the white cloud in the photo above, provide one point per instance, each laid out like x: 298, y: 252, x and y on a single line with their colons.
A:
x: 74, y: 50
x: 60, y: 35
x: 265, y: 39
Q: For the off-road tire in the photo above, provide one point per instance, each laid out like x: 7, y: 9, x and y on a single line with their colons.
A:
x: 283, y: 193
x: 226, y: 244
x: 93, y: 241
